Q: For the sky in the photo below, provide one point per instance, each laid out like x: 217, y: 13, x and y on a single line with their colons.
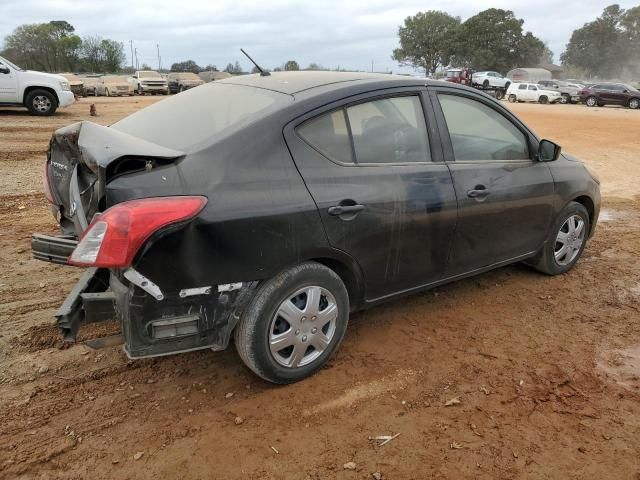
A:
x: 351, y: 34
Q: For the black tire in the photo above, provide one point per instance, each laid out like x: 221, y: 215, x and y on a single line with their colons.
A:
x: 506, y: 86
x: 634, y: 103
x: 543, y: 99
x: 512, y: 98
x: 41, y: 103
x: 565, y: 99
x: 499, y: 94
x: 485, y: 84
x: 591, y: 102
x: 253, y: 331
x: 545, y: 261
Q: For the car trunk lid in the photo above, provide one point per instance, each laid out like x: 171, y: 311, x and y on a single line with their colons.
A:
x: 83, y: 157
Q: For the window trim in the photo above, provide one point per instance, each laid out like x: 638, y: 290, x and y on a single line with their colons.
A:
x: 447, y: 146
x: 433, y: 133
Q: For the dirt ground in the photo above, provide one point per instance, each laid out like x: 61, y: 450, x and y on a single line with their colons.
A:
x: 507, y: 375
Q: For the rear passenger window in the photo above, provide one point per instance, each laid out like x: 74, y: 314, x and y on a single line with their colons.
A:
x: 390, y: 130
x: 329, y: 135
x: 478, y: 132
x: 522, y: 87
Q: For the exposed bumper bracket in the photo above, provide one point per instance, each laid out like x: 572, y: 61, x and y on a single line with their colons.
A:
x: 88, y: 301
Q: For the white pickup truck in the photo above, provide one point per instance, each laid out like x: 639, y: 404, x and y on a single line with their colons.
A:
x: 41, y: 93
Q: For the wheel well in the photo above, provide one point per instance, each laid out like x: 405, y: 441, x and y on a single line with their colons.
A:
x: 587, y: 203
x: 347, y: 276
x: 28, y: 90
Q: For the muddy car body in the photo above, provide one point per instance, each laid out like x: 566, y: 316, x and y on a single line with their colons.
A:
x: 285, y: 202
x: 75, y: 83
x: 181, y: 81
x: 113, y: 86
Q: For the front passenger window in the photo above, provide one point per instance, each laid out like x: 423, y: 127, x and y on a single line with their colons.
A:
x: 390, y: 130
x: 478, y: 132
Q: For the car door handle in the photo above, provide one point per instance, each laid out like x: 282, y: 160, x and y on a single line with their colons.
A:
x: 345, y: 209
x: 478, y: 193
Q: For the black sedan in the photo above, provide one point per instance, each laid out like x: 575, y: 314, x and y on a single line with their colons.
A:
x: 283, y: 203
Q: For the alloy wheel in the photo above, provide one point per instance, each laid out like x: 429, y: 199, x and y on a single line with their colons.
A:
x: 41, y: 103
x: 634, y: 103
x: 591, y: 102
x: 569, y: 240
x: 303, y: 327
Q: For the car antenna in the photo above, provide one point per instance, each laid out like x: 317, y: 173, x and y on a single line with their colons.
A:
x: 263, y: 73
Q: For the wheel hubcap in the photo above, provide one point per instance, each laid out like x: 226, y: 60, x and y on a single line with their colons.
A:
x: 41, y: 103
x: 303, y: 327
x: 569, y: 240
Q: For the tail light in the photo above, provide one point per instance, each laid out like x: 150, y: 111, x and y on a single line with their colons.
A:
x: 46, y: 184
x: 114, y: 237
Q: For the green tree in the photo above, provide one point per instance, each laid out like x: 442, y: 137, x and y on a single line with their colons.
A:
x: 493, y: 40
x: 210, y: 68
x: 427, y: 40
x: 186, y: 66
x: 315, y: 66
x: 291, y: 65
x: 113, y: 54
x: 49, y: 46
x: 608, y: 45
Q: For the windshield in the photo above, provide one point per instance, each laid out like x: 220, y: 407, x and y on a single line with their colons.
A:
x: 115, y: 80
x: 12, y: 65
x: 629, y: 87
x: 185, y: 121
x: 187, y: 76
x: 150, y: 74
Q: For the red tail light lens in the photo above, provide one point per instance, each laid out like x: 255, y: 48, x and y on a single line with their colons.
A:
x: 46, y: 184
x: 114, y: 237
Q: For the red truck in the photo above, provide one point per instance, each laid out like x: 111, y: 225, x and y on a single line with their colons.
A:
x: 464, y: 76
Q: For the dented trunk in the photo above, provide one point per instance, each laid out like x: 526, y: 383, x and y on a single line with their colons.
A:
x: 83, y: 158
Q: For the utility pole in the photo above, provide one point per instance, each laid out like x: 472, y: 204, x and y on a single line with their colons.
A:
x: 158, y: 47
x: 137, y: 65
x: 131, y: 44
x: 372, y: 65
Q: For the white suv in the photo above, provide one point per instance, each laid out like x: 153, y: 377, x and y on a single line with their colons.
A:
x: 490, y: 79
x: 532, y: 92
x: 41, y: 93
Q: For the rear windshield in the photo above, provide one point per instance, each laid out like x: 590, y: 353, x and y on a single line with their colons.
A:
x: 186, y: 121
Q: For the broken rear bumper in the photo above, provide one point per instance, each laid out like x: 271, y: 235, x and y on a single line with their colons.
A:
x: 54, y: 249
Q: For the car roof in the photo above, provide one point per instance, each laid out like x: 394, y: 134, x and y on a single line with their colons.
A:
x: 291, y: 83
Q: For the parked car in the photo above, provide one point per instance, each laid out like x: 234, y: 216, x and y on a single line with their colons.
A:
x: 490, y: 79
x: 532, y: 92
x: 568, y: 91
x: 602, y: 94
x: 75, y: 83
x: 210, y: 76
x: 181, y: 81
x: 149, y: 81
x: 91, y: 85
x: 285, y: 202
x: 114, y: 86
x: 41, y: 93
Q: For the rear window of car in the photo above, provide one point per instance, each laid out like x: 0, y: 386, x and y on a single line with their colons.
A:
x: 199, y: 115
x: 329, y: 135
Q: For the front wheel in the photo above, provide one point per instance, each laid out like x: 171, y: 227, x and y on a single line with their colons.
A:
x: 591, y: 102
x: 634, y: 103
x: 566, y: 241
x: 543, y: 99
x: 512, y: 98
x: 294, y: 323
x: 41, y: 103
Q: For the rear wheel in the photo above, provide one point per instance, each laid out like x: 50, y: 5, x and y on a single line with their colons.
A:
x: 634, y: 103
x: 512, y: 98
x: 591, y: 102
x: 566, y: 242
x: 294, y: 323
x: 485, y: 84
x: 41, y: 103
x: 499, y: 94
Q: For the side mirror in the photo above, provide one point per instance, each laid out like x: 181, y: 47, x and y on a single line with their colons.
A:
x: 548, y: 151
x: 4, y: 69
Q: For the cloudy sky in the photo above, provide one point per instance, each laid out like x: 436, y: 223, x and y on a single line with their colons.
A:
x: 346, y: 33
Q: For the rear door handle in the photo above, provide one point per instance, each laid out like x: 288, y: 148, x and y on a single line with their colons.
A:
x: 478, y: 193
x: 345, y: 209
